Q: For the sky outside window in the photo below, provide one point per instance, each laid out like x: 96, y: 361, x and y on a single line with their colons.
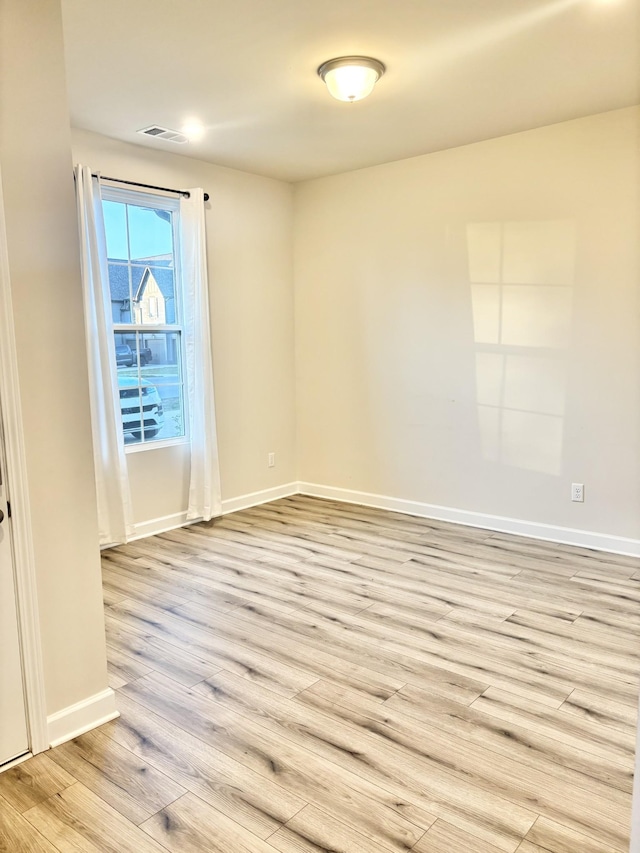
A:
x: 150, y: 231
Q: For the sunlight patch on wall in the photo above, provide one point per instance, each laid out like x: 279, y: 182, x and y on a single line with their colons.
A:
x: 521, y: 277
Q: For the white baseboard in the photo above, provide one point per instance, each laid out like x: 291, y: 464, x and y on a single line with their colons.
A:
x: 502, y: 524
x: 82, y: 717
x: 179, y: 519
x: 262, y: 497
x: 159, y: 525
x: 532, y: 529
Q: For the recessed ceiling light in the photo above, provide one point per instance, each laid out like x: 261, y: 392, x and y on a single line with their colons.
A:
x: 193, y: 130
x: 351, y: 78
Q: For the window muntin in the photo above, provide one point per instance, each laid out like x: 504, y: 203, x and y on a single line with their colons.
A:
x: 143, y: 263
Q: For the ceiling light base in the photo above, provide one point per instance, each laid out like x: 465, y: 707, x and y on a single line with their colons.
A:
x: 351, y: 78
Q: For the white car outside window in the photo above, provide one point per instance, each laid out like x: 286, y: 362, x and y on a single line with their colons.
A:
x: 135, y: 418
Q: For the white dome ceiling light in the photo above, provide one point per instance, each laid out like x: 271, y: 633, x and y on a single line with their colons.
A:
x: 351, y: 78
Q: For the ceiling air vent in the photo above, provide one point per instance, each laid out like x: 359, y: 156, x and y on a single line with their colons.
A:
x: 164, y: 133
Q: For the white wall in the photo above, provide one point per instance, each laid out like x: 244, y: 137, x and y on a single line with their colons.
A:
x: 249, y: 236
x: 467, y: 327
x: 35, y: 157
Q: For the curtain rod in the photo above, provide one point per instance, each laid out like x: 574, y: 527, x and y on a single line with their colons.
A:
x: 184, y: 193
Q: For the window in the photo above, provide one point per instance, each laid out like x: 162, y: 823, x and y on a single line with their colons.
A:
x: 147, y: 313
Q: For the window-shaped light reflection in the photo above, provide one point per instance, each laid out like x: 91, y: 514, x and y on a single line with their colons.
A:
x: 536, y: 316
x: 520, y: 409
x: 531, y: 441
x: 486, y: 302
x: 521, y: 277
x: 539, y: 252
x: 484, y: 251
x: 535, y: 384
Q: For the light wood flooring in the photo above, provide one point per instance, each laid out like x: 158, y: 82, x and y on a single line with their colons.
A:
x: 313, y: 676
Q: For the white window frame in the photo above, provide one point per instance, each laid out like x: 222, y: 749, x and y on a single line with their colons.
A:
x: 161, y: 202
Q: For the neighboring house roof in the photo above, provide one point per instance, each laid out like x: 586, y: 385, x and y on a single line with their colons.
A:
x: 164, y: 280
x: 119, y: 278
x: 118, y: 282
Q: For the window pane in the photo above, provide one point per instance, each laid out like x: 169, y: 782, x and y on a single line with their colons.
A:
x: 120, y: 294
x: 163, y: 371
x: 153, y: 288
x: 130, y: 411
x: 173, y: 411
x: 125, y: 348
x: 115, y: 223
x: 149, y: 385
x: 158, y: 354
x: 161, y: 351
x: 141, y: 410
x: 150, y: 233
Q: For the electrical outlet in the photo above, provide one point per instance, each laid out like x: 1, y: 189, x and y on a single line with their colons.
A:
x: 577, y: 492
x: 271, y: 460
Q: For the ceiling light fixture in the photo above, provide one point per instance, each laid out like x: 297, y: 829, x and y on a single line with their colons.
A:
x: 351, y: 78
x: 193, y: 130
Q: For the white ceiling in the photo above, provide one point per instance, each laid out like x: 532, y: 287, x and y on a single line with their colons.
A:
x: 458, y: 71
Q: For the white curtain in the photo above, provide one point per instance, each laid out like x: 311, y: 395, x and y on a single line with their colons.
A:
x: 204, y: 488
x: 112, y: 482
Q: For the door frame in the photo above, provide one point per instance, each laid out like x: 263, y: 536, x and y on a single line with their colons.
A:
x: 21, y: 526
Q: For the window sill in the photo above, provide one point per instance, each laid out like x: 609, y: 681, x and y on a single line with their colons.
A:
x: 155, y: 445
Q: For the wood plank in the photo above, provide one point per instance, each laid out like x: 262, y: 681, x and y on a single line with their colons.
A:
x: 132, y: 786
x: 33, y: 781
x: 250, y: 798
x: 440, y: 648
x: 219, y: 652
x: 604, y: 619
x: 299, y: 654
x: 81, y: 821
x: 110, y: 596
x: 408, y: 664
x: 122, y: 667
x: 580, y: 731
x: 445, y: 838
x: 154, y: 653
x: 192, y: 826
x: 428, y: 781
x: 172, y: 580
x: 17, y: 834
x: 514, y: 737
x: 601, y: 710
x: 577, y: 801
x: 557, y: 838
x: 368, y: 808
x: 222, y: 593
x: 312, y: 830
x: 618, y: 641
